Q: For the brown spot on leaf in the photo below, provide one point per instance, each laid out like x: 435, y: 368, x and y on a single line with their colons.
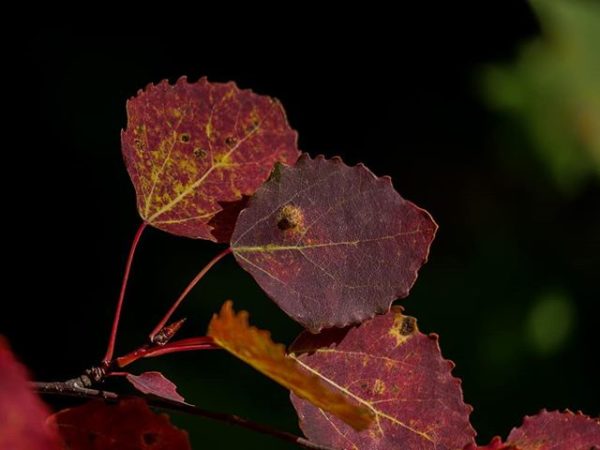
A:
x: 290, y: 218
x: 403, y: 328
x: 185, y: 138
x: 230, y: 141
x: 199, y: 153
x: 138, y: 144
x: 408, y: 326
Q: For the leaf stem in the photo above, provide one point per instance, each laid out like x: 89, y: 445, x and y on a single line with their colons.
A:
x: 186, y: 291
x: 63, y: 389
x: 183, y: 345
x: 113, y: 334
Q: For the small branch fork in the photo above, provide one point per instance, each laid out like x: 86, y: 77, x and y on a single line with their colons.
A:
x: 158, y: 344
x: 72, y: 388
x: 162, y: 333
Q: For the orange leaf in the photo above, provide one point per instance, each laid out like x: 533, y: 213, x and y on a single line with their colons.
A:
x: 255, y: 347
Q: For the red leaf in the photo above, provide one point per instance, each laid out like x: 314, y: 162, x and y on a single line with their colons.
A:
x: 332, y: 244
x: 398, y: 373
x: 127, y: 425
x: 223, y: 222
x: 22, y: 413
x: 556, y: 431
x: 154, y: 383
x: 190, y: 146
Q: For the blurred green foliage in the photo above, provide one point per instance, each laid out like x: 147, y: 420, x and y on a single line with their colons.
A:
x: 550, y: 322
x: 553, y: 90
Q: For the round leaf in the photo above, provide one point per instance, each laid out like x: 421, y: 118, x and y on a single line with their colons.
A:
x: 395, y: 371
x: 331, y: 244
x: 193, y: 150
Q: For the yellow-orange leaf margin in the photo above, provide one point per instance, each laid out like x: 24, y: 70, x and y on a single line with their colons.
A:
x: 255, y: 347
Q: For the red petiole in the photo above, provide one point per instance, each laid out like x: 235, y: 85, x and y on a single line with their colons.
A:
x: 186, y: 291
x: 113, y: 334
x: 161, y: 333
x: 182, y: 345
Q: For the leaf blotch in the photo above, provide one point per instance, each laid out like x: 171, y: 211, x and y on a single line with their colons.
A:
x: 403, y: 328
x: 290, y: 218
x: 409, y: 324
x: 199, y: 153
x: 230, y: 141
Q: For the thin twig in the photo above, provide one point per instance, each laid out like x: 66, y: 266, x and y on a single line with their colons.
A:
x: 64, y: 389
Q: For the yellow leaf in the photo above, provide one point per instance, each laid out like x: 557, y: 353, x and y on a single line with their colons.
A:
x: 255, y: 347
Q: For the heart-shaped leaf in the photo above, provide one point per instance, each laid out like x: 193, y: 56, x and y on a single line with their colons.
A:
x: 191, y: 148
x: 395, y: 371
x: 332, y: 244
x: 255, y: 347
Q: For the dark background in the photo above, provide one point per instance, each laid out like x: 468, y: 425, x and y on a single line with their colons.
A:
x: 405, y: 100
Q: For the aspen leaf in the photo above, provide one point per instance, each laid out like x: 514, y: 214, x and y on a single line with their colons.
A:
x: 387, y: 365
x: 194, y: 149
x: 332, y: 245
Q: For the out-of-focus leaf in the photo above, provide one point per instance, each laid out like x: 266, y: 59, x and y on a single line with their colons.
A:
x: 387, y: 365
x: 553, y: 89
x: 255, y: 347
x: 332, y: 244
x: 22, y: 413
x: 190, y: 147
x: 127, y: 425
x: 155, y: 383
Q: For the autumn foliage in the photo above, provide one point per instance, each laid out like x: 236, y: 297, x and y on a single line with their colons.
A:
x: 332, y: 245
